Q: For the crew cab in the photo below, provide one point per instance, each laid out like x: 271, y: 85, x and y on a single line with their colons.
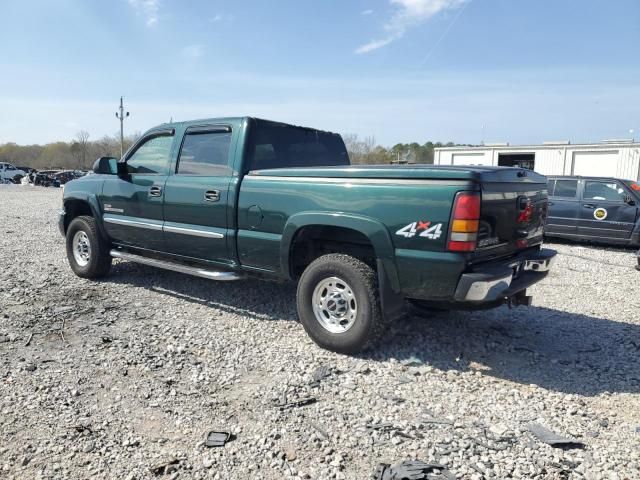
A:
x: 227, y: 198
x: 595, y: 209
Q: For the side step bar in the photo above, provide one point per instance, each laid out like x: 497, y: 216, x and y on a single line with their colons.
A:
x: 177, y: 267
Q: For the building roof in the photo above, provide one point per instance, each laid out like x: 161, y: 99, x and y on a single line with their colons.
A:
x: 545, y: 146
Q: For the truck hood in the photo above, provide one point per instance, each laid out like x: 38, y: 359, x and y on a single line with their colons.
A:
x: 471, y: 173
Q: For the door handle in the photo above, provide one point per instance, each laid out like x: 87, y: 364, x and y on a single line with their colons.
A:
x: 550, y: 203
x: 589, y: 205
x: 212, y: 195
x: 155, y: 191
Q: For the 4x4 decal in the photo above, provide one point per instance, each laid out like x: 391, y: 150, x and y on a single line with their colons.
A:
x: 423, y: 229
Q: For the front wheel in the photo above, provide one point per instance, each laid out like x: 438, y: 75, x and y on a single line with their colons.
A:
x: 87, y: 253
x: 338, y: 304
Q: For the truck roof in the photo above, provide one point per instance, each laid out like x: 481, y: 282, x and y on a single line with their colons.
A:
x: 233, y: 120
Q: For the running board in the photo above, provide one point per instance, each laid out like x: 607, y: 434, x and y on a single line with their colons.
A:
x: 177, y: 267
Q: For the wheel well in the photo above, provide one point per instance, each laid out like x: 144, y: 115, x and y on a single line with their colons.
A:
x: 73, y: 209
x: 313, y: 241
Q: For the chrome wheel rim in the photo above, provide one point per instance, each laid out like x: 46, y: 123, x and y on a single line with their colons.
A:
x: 334, y: 305
x: 81, y: 248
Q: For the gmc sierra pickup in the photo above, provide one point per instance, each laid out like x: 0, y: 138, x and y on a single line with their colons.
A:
x: 229, y: 197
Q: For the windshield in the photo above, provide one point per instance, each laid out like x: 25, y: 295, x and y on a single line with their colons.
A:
x: 634, y: 187
x: 277, y: 145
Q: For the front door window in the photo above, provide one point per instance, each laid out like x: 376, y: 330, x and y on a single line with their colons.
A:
x: 152, y: 156
x: 604, y: 191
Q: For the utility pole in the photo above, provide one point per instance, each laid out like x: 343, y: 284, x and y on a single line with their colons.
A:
x: 121, y: 115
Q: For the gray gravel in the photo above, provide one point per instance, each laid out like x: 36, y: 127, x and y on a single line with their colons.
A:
x: 124, y: 378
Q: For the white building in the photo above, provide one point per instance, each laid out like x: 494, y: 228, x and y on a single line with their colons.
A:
x: 611, y: 158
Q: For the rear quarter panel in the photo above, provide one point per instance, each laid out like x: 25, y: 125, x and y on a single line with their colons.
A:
x: 271, y: 208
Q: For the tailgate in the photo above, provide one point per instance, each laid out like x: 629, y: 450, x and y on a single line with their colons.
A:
x: 512, y: 215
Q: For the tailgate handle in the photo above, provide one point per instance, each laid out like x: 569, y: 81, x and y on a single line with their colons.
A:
x: 212, y: 195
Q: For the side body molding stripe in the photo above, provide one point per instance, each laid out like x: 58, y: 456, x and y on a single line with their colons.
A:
x: 157, y: 227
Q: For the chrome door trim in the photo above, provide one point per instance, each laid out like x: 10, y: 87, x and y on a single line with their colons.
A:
x: 192, y: 231
x: 132, y: 223
x: 159, y: 227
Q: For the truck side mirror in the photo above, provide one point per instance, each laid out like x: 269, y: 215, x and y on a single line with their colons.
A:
x: 628, y: 200
x: 121, y: 167
x: 105, y: 165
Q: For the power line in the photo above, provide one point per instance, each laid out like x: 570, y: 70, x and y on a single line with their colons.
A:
x: 444, y: 34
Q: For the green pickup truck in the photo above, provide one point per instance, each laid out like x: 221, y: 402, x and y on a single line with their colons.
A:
x: 227, y: 198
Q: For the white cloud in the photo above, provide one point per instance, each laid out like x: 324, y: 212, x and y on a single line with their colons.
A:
x: 409, y: 13
x: 216, y: 18
x: 374, y: 45
x: 193, y: 51
x: 148, y: 9
x: 366, y: 12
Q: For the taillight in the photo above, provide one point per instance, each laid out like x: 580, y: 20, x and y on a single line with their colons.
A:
x: 526, y: 211
x: 465, y: 220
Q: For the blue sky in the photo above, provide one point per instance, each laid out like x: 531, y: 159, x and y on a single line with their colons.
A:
x: 399, y: 70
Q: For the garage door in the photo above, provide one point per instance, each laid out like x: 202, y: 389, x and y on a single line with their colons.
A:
x: 596, y: 164
x: 470, y: 159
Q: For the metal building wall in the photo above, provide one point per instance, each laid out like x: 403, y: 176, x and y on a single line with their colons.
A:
x: 550, y: 160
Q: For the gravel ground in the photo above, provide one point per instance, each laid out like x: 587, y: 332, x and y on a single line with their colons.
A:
x: 124, y: 378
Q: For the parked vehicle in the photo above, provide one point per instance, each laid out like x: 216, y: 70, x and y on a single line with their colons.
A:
x: 46, y: 178
x: 232, y: 197
x: 595, y: 209
x: 9, y: 172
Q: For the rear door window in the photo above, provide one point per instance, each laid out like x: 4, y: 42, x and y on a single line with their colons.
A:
x: 551, y: 185
x: 205, y: 153
x: 565, y: 189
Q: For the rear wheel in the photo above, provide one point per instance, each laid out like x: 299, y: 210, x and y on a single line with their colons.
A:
x: 87, y: 253
x: 338, y: 303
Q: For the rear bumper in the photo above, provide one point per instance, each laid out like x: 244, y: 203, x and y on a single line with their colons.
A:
x: 494, y: 282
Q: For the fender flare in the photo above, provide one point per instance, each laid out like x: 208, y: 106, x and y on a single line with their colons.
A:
x: 92, y: 200
x: 375, y: 231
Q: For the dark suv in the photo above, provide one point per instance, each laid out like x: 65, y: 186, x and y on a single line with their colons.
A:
x: 597, y: 209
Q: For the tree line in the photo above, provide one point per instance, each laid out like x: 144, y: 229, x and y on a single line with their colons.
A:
x: 366, y: 151
x: 81, y: 152
x: 78, y: 154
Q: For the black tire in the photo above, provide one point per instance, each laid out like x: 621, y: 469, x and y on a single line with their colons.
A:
x: 368, y: 323
x: 98, y: 261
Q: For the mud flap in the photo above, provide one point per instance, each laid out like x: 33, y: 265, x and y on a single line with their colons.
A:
x: 391, y: 302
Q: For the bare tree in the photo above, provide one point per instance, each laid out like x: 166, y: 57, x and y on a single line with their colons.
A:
x: 80, y: 149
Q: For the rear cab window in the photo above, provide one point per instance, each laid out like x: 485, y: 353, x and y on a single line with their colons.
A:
x: 277, y: 145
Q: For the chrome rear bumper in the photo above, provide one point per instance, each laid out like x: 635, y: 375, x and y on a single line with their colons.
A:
x: 492, y: 282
